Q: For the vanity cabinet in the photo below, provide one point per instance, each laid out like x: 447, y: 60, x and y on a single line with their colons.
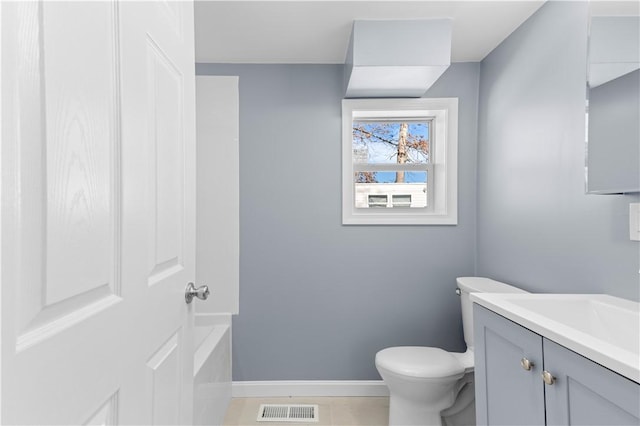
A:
x: 510, y: 362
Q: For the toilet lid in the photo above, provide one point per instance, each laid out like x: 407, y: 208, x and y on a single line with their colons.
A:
x: 416, y: 361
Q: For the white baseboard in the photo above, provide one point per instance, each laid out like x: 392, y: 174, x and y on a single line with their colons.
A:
x: 285, y: 388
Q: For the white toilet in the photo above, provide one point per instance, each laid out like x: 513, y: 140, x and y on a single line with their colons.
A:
x: 429, y: 385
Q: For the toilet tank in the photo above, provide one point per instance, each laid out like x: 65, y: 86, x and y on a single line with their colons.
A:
x: 477, y: 285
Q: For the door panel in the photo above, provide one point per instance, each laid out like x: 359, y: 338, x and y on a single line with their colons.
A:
x: 106, y: 415
x: 98, y: 202
x: 586, y: 393
x: 164, y: 368
x: 70, y: 186
x: 506, y: 394
x: 81, y: 140
x: 166, y: 179
x: 165, y: 99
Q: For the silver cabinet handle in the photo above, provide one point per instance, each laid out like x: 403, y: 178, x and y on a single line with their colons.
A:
x: 526, y: 364
x: 548, y: 377
x: 191, y: 291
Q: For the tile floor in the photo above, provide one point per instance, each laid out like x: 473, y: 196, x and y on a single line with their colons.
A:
x: 334, y: 411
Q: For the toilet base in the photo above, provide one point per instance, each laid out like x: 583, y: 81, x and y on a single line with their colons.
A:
x: 405, y: 413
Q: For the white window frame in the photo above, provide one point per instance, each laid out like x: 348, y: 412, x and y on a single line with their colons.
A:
x: 443, y: 168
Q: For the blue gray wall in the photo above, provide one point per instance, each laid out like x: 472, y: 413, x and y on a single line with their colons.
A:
x: 536, y: 227
x: 319, y: 299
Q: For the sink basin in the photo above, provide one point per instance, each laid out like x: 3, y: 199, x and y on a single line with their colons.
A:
x: 603, y: 328
x: 602, y: 317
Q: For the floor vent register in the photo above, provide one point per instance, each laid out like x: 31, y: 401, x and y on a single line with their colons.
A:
x: 298, y: 413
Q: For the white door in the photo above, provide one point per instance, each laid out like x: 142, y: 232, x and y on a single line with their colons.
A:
x: 97, y: 214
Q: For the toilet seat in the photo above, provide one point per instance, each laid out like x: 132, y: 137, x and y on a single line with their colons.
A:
x: 420, y: 362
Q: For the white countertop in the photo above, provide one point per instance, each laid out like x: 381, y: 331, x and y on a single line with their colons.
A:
x: 600, y: 327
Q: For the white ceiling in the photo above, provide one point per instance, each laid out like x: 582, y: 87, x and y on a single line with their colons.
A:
x: 304, y: 31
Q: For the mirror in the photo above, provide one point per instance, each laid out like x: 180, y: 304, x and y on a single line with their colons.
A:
x: 613, y: 105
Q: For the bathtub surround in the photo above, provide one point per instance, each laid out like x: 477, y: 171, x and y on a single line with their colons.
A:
x: 217, y: 168
x: 318, y: 299
x: 536, y: 227
x: 216, y: 264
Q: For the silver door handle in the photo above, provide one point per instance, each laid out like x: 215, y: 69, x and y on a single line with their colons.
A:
x: 526, y: 364
x: 191, y: 291
x: 548, y: 378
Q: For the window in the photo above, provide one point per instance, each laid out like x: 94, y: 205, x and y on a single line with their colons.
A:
x: 399, y: 161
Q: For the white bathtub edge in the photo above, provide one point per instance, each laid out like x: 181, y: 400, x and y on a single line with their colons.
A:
x: 203, y: 320
x: 285, y: 388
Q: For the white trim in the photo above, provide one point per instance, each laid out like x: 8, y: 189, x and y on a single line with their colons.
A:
x: 285, y: 388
